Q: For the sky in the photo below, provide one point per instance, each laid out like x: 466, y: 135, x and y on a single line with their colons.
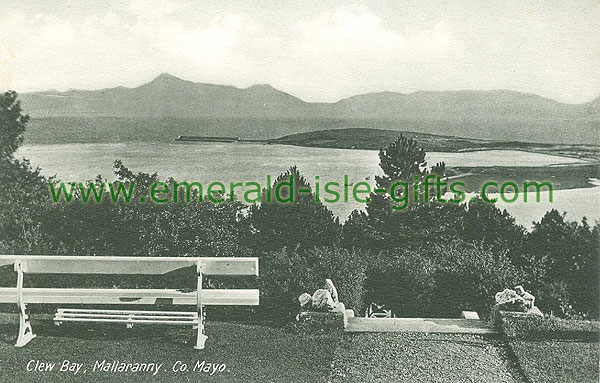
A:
x: 321, y: 50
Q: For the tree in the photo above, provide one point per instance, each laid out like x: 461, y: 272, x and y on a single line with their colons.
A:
x: 12, y: 124
x: 23, y: 206
x: 383, y: 226
x: 404, y: 160
x: 303, y: 222
x: 400, y: 161
x: 25, y: 191
x: 483, y: 222
x: 561, y: 258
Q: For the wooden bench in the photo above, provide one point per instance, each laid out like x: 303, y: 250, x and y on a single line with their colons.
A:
x: 44, y: 264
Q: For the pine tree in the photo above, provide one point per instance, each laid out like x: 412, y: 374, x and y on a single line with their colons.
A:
x: 303, y: 222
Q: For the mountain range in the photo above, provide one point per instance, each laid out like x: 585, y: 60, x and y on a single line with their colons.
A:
x: 497, y: 115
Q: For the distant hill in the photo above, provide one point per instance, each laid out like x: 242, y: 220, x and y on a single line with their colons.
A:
x: 375, y: 139
x: 496, y: 115
x: 165, y: 96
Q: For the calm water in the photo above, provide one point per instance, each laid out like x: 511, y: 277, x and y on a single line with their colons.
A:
x: 228, y: 162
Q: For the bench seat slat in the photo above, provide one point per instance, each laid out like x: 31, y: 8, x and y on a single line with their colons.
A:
x: 75, y: 311
x: 210, y: 297
x: 83, y: 315
x: 125, y: 320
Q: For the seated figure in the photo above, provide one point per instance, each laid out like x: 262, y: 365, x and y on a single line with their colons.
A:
x: 305, y: 302
x: 332, y: 290
x: 528, y: 298
x: 322, y: 300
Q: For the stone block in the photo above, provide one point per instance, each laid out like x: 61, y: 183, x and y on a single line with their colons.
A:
x: 337, y: 319
x: 315, y: 321
x: 469, y: 315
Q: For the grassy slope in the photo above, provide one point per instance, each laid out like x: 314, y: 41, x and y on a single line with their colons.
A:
x: 405, y: 357
x: 251, y: 353
x: 255, y: 353
x: 551, y: 349
x: 549, y: 361
x: 375, y: 139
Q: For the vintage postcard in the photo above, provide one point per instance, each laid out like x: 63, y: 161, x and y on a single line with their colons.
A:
x: 285, y: 191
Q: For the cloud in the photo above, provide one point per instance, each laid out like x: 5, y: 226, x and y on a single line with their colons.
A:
x: 46, y: 51
x: 356, y: 30
x: 206, y: 44
x: 352, y: 48
x: 347, y: 28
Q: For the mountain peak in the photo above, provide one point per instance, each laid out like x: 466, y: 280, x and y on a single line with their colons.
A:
x: 166, y: 77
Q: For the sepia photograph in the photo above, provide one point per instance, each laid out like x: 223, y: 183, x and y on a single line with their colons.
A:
x: 316, y: 191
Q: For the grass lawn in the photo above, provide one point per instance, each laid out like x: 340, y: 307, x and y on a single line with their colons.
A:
x: 251, y: 353
x: 551, y: 349
x: 549, y: 361
x: 255, y: 353
x: 422, y: 357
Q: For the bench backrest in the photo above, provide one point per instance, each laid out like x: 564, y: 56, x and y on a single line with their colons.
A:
x: 58, y: 264
x: 50, y: 264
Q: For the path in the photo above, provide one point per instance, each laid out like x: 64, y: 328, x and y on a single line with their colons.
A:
x: 419, y: 325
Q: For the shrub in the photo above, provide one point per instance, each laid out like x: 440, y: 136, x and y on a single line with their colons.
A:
x: 524, y: 326
x: 561, y: 257
x: 288, y: 273
x: 402, y: 281
x: 441, y: 280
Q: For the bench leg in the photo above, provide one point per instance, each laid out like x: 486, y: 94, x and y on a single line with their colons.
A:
x: 25, y: 331
x: 200, y: 339
x: 200, y: 336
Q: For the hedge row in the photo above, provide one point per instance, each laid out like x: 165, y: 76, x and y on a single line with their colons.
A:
x: 523, y: 326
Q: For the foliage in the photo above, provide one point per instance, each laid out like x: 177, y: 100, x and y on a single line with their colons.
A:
x: 483, y: 222
x: 440, y: 280
x: 318, y: 323
x: 22, y: 207
x: 382, y: 228
x: 402, y: 160
x: 562, y: 260
x: 12, y: 124
x: 419, y: 226
x: 303, y: 222
x: 558, y: 261
x: 287, y: 273
x: 24, y: 189
x: 524, y: 326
